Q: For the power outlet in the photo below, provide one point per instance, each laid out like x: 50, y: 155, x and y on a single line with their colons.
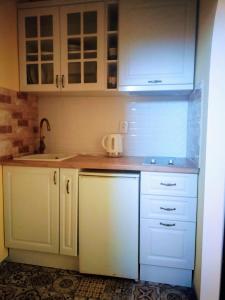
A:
x: 123, y: 126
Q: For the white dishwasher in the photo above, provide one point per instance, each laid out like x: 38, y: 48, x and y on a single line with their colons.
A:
x: 108, y: 223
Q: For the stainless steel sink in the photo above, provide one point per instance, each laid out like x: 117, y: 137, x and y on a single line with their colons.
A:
x: 46, y: 157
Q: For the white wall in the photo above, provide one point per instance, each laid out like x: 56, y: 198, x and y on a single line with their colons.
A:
x: 157, y: 127
x: 214, y: 188
x: 206, y: 23
x: 9, y: 77
x: 212, y: 177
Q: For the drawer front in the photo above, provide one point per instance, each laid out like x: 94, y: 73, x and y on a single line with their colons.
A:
x: 166, y: 275
x: 167, y: 243
x: 171, y: 184
x: 168, y: 207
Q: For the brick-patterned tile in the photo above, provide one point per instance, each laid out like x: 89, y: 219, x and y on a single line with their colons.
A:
x: 17, y: 143
x: 35, y: 129
x: 17, y: 115
x: 5, y: 157
x: 24, y: 149
x: 5, y: 98
x: 18, y: 123
x: 5, y: 117
x: 5, y: 129
x: 23, y: 123
x: 22, y: 96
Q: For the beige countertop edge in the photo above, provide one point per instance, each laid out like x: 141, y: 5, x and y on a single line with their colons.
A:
x: 105, y: 163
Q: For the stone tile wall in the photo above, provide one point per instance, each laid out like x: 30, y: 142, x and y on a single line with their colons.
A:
x: 194, y: 125
x: 19, y: 131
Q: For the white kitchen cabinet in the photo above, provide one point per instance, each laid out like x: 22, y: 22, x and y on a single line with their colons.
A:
x: 31, y: 205
x: 168, y: 207
x: 167, y: 243
x: 170, y: 184
x: 82, y: 47
x: 39, y: 48
x: 167, y: 227
x: 156, y: 44
x: 3, y: 250
x: 40, y: 206
x: 68, y: 211
x: 62, y: 48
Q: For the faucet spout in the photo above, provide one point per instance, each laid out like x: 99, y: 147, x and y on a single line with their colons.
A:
x: 44, y: 120
x: 42, y: 145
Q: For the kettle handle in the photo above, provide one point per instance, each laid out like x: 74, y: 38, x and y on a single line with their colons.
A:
x: 104, y: 142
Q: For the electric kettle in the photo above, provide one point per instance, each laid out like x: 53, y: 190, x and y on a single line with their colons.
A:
x: 113, y: 145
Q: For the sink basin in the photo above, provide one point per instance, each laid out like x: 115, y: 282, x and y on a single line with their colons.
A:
x: 46, y: 157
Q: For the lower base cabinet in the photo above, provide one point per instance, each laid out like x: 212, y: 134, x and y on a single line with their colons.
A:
x: 40, y: 209
x: 173, y: 276
x: 167, y: 227
x: 167, y: 243
x: 68, y: 212
x: 167, y: 251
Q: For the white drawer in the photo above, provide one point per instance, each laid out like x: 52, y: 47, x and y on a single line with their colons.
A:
x: 171, y: 184
x: 168, y: 207
x: 166, y: 275
x: 167, y: 243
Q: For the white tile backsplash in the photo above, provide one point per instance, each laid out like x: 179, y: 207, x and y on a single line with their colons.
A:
x: 156, y: 127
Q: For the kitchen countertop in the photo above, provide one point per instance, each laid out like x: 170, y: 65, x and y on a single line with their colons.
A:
x: 125, y: 163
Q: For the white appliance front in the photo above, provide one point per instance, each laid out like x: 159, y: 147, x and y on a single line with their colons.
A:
x: 108, y: 224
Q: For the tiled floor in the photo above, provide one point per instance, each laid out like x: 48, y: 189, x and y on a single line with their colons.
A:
x: 26, y: 282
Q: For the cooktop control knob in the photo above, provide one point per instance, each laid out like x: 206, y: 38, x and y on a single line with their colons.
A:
x: 170, y: 162
x: 153, y: 161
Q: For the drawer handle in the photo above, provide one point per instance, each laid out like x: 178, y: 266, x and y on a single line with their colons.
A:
x: 168, y: 184
x: 154, y: 81
x: 167, y: 225
x: 168, y: 209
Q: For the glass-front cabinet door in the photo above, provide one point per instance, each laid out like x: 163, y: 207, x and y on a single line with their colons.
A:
x: 82, y: 47
x: 39, y: 49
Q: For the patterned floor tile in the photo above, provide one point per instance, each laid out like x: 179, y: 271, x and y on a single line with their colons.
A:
x: 146, y: 292
x: 26, y: 282
x: 168, y: 292
x: 91, y: 287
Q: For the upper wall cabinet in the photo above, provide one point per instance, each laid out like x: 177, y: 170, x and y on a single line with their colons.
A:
x: 39, y: 49
x: 69, y: 56
x: 82, y: 47
x: 156, y: 44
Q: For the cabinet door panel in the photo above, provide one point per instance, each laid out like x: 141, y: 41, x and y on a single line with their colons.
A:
x: 157, y: 42
x: 82, y: 55
x: 3, y: 250
x: 68, y: 211
x: 167, y: 243
x: 39, y: 49
x: 31, y: 204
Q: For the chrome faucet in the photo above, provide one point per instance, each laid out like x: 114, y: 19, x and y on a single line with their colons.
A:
x: 42, y: 145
